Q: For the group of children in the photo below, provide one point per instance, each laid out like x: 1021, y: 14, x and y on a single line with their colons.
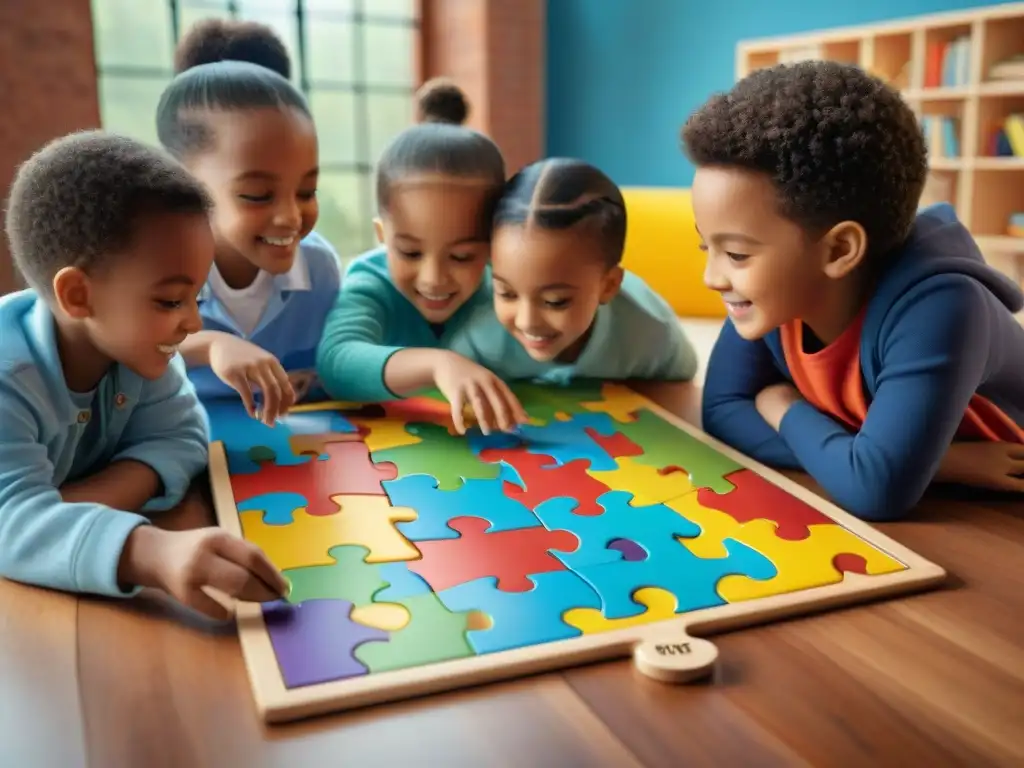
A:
x: 867, y: 343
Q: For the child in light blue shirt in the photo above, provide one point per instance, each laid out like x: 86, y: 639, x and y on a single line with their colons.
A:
x: 389, y: 333
x: 564, y: 308
x: 247, y: 133
x: 100, y: 426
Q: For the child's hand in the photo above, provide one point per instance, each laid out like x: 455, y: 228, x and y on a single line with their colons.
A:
x: 464, y: 382
x: 992, y: 466
x: 183, y: 562
x: 240, y: 364
x: 772, y: 402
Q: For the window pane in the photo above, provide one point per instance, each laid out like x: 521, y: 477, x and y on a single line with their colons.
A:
x: 246, y: 6
x: 329, y: 51
x: 405, y: 9
x: 335, y: 6
x: 389, y: 115
x: 343, y: 220
x: 132, y: 34
x: 128, y: 105
x: 190, y: 14
x: 334, y: 113
x: 389, y: 54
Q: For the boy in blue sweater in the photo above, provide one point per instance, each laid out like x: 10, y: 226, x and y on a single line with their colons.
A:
x: 864, y: 336
x: 100, y: 424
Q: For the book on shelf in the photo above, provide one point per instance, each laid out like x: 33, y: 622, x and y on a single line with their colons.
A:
x: 1010, y: 68
x: 948, y: 63
x: 1007, y: 139
x: 941, y: 135
x: 1016, y: 227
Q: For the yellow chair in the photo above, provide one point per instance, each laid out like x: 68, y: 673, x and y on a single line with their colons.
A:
x: 663, y: 248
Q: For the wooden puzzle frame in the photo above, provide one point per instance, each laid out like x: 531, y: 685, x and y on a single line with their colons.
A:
x: 671, y: 649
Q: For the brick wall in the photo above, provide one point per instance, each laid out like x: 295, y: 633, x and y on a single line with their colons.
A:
x: 47, y: 85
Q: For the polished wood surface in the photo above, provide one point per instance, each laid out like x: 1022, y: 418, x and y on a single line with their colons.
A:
x: 932, y: 679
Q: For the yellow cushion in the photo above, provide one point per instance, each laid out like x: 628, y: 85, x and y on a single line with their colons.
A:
x: 663, y: 248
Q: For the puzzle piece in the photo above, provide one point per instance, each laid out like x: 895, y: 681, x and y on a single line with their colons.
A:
x: 618, y: 401
x: 275, y: 508
x: 435, y: 508
x: 433, y: 634
x: 666, y: 445
x: 821, y: 558
x: 616, y: 445
x: 541, y: 480
x: 384, y: 434
x: 758, y: 499
x: 420, y: 410
x: 510, y: 556
x: 542, y: 402
x: 314, y: 641
x: 629, y: 549
x: 247, y: 441
x: 522, y: 618
x: 441, y: 455
x: 648, y: 484
x: 348, y: 470
x: 365, y: 521
x: 566, y: 440
x: 401, y: 581
x: 387, y: 616
x: 317, y: 444
x: 672, y: 567
x: 660, y: 605
x: 654, y: 527
x: 349, y: 578
x: 317, y: 423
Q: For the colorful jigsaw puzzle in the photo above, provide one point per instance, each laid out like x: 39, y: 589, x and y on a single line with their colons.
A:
x: 421, y: 560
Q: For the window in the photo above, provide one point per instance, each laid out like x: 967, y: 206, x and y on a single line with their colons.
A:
x: 352, y: 58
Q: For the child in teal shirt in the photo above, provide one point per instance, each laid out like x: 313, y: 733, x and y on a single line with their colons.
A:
x: 564, y: 307
x: 400, y: 305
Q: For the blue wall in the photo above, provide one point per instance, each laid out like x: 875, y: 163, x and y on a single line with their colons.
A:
x: 624, y: 74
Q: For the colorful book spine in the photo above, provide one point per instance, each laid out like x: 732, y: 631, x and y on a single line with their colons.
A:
x: 942, y: 135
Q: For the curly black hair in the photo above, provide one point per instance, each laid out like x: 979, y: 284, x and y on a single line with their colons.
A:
x: 211, y: 40
x: 838, y: 144
x: 440, y: 100
x: 78, y: 200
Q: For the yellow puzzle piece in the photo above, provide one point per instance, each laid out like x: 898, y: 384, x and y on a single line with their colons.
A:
x: 368, y: 521
x: 646, y: 483
x: 802, y: 564
x: 619, y: 402
x: 383, y: 434
x: 390, y: 617
x: 661, y: 604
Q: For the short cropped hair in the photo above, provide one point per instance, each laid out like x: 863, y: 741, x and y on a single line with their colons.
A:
x: 837, y: 143
x: 78, y: 200
x: 211, y: 40
x: 562, y: 193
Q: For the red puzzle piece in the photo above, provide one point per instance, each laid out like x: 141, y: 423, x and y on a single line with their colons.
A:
x: 757, y: 499
x: 510, y: 556
x: 545, y: 480
x: 850, y: 563
x: 347, y: 470
x: 616, y: 446
x: 418, y: 410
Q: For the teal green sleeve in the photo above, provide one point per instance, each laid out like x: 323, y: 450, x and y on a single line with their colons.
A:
x: 351, y: 356
x: 677, y: 360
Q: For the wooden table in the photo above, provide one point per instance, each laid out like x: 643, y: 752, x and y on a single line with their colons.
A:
x: 934, y: 679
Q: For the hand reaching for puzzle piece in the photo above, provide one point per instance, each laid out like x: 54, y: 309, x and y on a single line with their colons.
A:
x: 240, y: 364
x: 182, y: 563
x: 464, y: 382
x: 994, y: 466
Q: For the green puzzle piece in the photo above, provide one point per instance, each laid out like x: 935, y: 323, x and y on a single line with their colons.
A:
x: 665, y: 445
x: 350, y: 578
x: 447, y: 458
x: 544, y: 401
x: 433, y: 634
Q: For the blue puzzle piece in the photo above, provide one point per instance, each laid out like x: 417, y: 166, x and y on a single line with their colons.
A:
x: 671, y: 566
x: 246, y: 440
x: 521, y: 618
x: 566, y: 441
x: 478, y: 441
x: 277, y: 507
x: 317, y: 423
x: 654, y: 527
x: 403, y: 583
x: 474, y: 498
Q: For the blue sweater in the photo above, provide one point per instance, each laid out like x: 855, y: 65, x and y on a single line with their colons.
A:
x: 938, y: 329
x: 290, y: 326
x: 372, y: 320
x: 636, y: 335
x: 50, y: 435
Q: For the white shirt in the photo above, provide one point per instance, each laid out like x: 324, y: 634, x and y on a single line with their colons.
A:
x: 245, y: 305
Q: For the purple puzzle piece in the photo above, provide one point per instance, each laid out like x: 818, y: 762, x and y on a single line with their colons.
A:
x: 631, y: 551
x: 313, y: 641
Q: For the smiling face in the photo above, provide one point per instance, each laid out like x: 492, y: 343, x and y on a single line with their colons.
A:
x: 437, y: 238
x: 262, y: 174
x: 767, y: 268
x: 548, y: 285
x: 141, y: 305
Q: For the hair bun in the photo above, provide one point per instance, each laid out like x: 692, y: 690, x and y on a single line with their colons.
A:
x: 213, y: 40
x: 440, y: 100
